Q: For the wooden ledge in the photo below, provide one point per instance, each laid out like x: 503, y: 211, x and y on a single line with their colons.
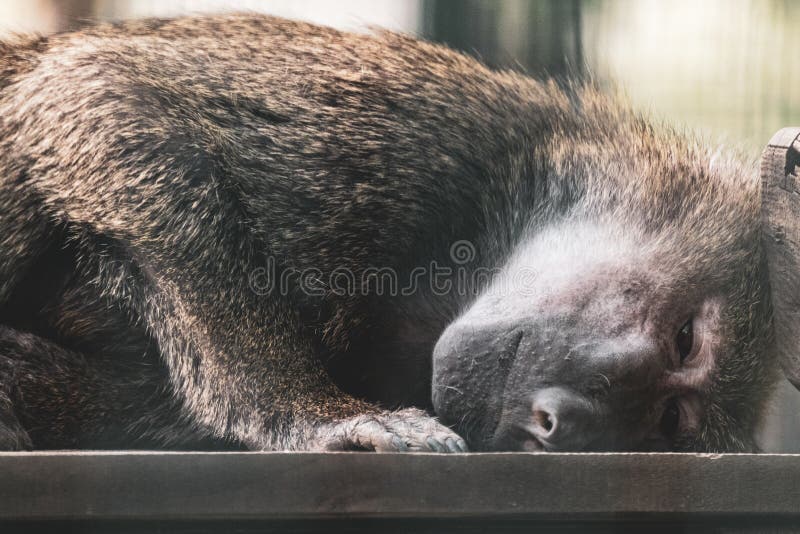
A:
x: 156, y: 486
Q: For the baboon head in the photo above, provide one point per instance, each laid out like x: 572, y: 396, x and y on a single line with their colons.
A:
x: 637, y: 318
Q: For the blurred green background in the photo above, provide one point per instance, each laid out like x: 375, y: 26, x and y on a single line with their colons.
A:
x: 725, y: 67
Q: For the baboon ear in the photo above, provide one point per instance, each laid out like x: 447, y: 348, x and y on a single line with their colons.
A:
x: 780, y: 235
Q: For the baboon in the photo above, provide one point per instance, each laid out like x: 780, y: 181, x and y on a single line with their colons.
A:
x: 243, y: 231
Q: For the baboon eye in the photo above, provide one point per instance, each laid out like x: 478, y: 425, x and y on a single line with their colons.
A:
x: 685, y: 340
x: 670, y: 419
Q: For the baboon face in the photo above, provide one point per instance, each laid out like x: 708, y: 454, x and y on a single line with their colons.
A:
x: 608, y: 330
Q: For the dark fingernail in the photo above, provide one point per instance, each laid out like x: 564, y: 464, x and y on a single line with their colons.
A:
x: 435, y: 445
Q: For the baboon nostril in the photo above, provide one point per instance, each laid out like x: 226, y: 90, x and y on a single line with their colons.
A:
x: 544, y: 420
x: 561, y: 419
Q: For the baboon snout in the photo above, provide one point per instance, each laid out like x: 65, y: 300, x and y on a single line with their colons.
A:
x: 548, y: 384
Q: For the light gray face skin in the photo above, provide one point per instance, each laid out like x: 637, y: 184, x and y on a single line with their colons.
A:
x: 584, y: 341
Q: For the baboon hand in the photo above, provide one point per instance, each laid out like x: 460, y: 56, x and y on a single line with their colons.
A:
x: 399, y: 431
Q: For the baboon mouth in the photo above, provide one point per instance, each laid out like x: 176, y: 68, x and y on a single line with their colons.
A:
x: 528, y: 442
x: 517, y: 437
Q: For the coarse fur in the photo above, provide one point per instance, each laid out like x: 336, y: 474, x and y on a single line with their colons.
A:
x: 150, y: 169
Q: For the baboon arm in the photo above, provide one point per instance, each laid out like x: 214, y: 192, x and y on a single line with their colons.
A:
x: 239, y: 360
